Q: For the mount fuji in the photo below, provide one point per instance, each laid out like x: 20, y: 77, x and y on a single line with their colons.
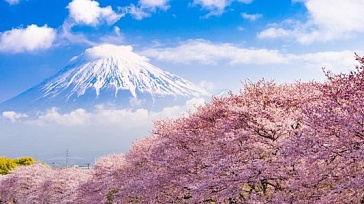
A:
x: 106, y: 75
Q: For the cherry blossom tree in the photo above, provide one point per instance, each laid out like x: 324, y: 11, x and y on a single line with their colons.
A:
x: 329, y: 153
x: 24, y: 184
x: 105, y: 180
x: 228, y: 151
x: 63, y: 185
x: 39, y: 183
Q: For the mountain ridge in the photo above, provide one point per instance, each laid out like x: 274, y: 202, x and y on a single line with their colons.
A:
x: 104, y: 74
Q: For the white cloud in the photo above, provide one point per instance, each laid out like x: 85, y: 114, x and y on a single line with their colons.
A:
x: 137, y: 12
x: 145, y: 8
x: 274, y: 33
x: 341, y: 61
x: 103, y: 50
x: 13, y: 116
x: 154, y: 4
x: 74, y: 38
x: 31, y: 38
x: 12, y: 2
x: 251, y: 17
x: 208, y: 86
x: 115, y: 38
x: 194, y: 103
x: 135, y: 119
x: 326, y: 22
x: 343, y: 16
x: 216, y: 7
x: 205, y: 52
x: 75, y: 118
x: 89, y: 12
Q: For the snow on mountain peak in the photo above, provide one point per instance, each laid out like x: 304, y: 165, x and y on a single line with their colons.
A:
x: 116, y: 68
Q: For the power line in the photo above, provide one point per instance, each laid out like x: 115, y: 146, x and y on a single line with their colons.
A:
x: 67, y: 158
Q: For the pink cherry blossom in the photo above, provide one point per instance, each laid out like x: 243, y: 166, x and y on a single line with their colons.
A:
x: 270, y: 143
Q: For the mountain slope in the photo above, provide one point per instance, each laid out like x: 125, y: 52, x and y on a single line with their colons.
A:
x: 104, y: 75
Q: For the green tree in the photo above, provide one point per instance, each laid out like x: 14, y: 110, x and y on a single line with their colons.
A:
x: 7, y: 164
x: 24, y: 161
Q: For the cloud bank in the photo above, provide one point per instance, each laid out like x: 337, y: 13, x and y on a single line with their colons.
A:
x: 103, y: 117
x: 13, y: 116
x: 207, y: 53
x: 87, y: 135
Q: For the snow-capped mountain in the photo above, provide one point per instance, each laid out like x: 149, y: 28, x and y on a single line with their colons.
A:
x: 105, y: 75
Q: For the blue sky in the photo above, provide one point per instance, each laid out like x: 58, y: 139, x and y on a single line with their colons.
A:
x: 214, y: 43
